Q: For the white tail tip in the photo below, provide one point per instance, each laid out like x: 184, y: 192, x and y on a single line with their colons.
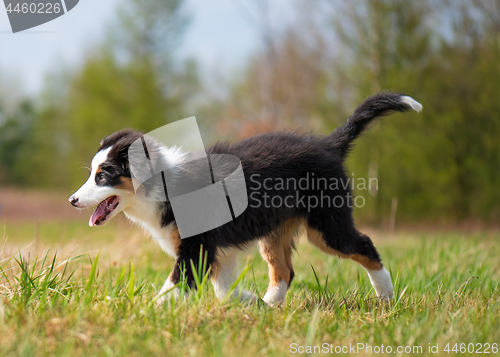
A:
x: 416, y: 106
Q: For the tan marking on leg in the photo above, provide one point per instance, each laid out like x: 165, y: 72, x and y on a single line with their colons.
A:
x: 316, y: 238
x: 215, y: 270
x: 276, y: 251
x: 287, y: 251
x: 175, y: 237
x: 274, y: 256
x: 379, y: 277
x: 171, y: 277
x: 366, y: 262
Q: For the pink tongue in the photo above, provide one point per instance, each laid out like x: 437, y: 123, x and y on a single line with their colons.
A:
x: 98, y: 213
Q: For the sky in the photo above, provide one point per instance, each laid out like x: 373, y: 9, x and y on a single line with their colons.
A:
x: 222, y: 34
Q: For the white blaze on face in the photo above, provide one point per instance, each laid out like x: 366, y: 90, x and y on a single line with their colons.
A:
x: 90, y: 194
x: 106, y: 198
x: 111, y: 200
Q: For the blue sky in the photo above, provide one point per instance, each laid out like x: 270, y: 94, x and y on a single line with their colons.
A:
x: 223, y: 33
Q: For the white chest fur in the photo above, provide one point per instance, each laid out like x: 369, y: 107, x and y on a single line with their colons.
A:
x: 148, y: 216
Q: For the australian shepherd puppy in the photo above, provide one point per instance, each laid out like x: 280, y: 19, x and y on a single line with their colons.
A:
x: 264, y: 158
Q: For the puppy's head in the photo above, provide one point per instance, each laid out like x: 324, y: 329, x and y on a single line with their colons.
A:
x: 109, y: 186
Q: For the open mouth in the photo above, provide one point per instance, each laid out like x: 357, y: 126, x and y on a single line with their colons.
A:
x: 103, y: 210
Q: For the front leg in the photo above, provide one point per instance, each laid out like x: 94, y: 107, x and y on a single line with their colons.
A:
x: 170, y: 289
x: 188, y: 259
x: 225, y: 272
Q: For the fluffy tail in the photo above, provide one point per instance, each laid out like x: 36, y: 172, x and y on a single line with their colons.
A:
x: 377, y: 105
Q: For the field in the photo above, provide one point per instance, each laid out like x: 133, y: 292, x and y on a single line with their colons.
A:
x: 67, y: 289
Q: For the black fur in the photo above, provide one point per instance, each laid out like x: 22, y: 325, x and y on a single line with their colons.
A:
x: 279, y: 155
x: 116, y: 165
x: 371, y: 108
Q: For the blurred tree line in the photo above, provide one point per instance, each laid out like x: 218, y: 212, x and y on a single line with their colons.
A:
x: 131, y: 80
x: 441, y: 164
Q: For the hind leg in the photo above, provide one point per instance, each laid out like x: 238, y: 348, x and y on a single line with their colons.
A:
x: 276, y: 251
x: 355, y: 246
x: 224, y: 273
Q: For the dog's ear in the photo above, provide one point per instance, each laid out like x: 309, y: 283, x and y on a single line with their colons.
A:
x: 119, y: 155
x: 122, y: 157
x: 120, y: 142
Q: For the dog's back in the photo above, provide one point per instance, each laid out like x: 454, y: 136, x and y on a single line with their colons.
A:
x: 292, y: 180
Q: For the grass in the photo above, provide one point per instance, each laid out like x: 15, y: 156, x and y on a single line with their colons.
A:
x: 95, y: 297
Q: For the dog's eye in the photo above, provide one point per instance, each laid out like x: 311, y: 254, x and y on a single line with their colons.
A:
x: 101, y: 177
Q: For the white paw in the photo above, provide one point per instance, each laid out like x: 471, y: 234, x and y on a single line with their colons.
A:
x: 381, y: 281
x: 168, y: 292
x: 275, y: 295
x: 163, y: 298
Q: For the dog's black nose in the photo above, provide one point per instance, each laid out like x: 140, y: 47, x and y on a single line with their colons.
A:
x: 73, y: 200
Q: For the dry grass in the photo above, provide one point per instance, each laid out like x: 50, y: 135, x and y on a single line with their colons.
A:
x: 447, y: 291
x: 17, y: 205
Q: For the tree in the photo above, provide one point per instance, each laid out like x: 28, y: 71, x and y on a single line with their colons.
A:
x: 16, y: 133
x: 132, y: 80
x: 439, y: 163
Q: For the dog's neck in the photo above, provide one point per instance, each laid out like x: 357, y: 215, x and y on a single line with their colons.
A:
x: 147, y: 213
